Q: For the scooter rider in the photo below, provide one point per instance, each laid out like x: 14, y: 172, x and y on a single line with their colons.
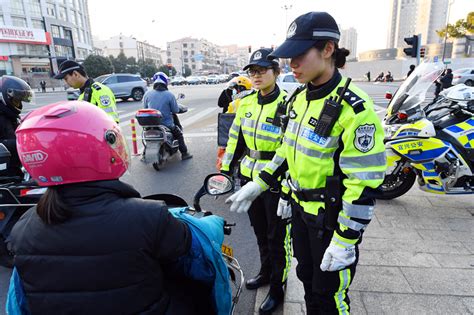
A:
x: 335, y: 155
x: 254, y: 136
x: 13, y: 91
x: 92, y: 245
x: 163, y: 100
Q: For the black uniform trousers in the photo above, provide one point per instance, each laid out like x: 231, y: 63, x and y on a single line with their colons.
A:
x: 325, y: 292
x: 273, y: 239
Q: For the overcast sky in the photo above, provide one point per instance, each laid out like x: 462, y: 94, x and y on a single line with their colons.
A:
x: 245, y: 22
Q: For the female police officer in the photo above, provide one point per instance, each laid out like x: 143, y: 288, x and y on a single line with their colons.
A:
x: 335, y: 156
x: 255, y: 134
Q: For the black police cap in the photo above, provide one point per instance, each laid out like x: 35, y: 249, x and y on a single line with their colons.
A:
x: 305, y: 31
x: 67, y: 67
x: 261, y: 58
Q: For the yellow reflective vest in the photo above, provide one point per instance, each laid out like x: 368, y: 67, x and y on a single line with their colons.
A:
x: 103, y: 97
x: 354, y: 150
x: 254, y: 133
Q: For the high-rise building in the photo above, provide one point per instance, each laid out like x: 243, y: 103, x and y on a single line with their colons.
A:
x: 199, y: 55
x: 349, y: 41
x: 37, y: 35
x: 410, y: 17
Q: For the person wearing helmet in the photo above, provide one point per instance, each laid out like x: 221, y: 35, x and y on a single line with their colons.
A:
x: 254, y: 137
x: 163, y: 100
x: 334, y: 155
x: 13, y: 92
x: 91, y: 242
x: 233, y: 91
x: 93, y: 92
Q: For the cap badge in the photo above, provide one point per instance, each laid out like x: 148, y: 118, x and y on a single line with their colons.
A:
x: 291, y: 30
x: 257, y: 56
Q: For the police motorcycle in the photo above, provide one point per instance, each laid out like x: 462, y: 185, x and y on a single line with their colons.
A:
x: 17, y: 195
x: 429, y: 140
x: 214, y: 185
x: 157, y: 134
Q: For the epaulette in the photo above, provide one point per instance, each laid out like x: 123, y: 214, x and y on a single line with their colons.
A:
x: 354, y: 100
x: 96, y: 86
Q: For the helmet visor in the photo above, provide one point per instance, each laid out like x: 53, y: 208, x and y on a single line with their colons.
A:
x: 19, y: 96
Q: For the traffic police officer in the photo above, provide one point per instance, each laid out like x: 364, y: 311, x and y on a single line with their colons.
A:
x: 93, y: 92
x: 335, y: 158
x: 254, y: 136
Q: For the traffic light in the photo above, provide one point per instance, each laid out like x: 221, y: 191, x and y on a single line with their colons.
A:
x: 413, y: 42
x: 422, y: 52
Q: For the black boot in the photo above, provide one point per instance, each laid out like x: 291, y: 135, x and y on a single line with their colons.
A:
x: 186, y: 155
x: 271, y: 303
x: 257, y: 281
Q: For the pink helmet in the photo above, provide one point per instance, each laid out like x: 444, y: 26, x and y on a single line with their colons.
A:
x: 71, y: 142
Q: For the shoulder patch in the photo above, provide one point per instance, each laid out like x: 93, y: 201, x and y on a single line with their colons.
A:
x: 354, y: 100
x: 105, y: 100
x: 96, y: 86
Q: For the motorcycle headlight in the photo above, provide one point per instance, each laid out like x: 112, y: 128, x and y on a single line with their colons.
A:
x: 390, y: 130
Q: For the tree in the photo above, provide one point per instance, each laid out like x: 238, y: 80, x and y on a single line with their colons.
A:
x: 169, y: 72
x: 147, y: 68
x: 187, y: 71
x: 132, y: 66
x: 97, y: 65
x: 120, y: 63
x: 459, y: 29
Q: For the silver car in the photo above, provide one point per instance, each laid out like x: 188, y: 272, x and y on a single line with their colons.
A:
x: 287, y: 82
x: 123, y: 85
x: 465, y: 75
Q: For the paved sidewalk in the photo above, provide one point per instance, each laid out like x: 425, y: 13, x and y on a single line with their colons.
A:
x: 417, y: 257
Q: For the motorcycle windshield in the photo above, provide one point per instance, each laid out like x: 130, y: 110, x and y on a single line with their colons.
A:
x: 413, y: 90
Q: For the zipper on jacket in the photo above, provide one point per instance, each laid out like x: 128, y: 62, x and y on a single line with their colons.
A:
x: 255, y: 140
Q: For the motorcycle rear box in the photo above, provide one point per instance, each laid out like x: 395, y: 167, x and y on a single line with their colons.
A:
x: 149, y: 117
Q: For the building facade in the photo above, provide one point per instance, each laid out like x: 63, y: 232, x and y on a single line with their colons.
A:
x: 349, y: 41
x: 199, y: 55
x: 37, y: 35
x: 410, y: 17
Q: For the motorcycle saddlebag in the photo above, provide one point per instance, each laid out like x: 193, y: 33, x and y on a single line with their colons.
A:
x: 149, y: 117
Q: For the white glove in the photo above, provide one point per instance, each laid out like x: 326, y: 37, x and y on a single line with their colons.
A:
x: 338, y: 256
x: 242, y: 199
x: 284, y: 209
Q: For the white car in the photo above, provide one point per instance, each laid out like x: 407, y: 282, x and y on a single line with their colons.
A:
x: 287, y: 82
x: 465, y: 76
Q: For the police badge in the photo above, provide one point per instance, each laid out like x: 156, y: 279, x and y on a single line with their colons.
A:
x: 105, y: 100
x: 364, y: 139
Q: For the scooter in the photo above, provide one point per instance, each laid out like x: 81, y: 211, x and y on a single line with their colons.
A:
x: 17, y: 195
x: 429, y: 140
x: 154, y: 133
x: 214, y: 185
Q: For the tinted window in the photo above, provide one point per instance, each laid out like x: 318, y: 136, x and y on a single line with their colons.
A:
x: 472, y: 71
x: 101, y: 78
x: 110, y: 80
x: 289, y: 78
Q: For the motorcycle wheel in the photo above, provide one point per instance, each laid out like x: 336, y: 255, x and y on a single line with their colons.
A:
x: 395, y: 185
x: 6, y: 259
x: 160, y: 161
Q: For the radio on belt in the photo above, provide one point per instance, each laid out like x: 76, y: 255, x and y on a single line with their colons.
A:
x: 330, y: 113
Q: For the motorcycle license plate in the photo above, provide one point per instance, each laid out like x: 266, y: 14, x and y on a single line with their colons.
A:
x: 226, y: 249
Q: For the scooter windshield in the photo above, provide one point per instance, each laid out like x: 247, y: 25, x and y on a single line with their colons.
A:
x: 413, y: 90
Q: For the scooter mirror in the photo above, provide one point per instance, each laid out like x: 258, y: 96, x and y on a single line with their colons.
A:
x: 218, y: 184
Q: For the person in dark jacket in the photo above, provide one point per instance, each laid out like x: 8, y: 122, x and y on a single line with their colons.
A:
x: 92, y: 245
x: 447, y: 79
x: 13, y: 91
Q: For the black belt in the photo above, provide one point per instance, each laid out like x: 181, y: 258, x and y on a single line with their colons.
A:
x: 306, y: 195
x: 261, y: 155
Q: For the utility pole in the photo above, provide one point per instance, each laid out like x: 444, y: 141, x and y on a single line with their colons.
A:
x: 286, y: 7
x: 446, y: 30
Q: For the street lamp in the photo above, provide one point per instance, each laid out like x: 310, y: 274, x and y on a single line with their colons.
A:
x: 286, y: 8
x: 446, y: 30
